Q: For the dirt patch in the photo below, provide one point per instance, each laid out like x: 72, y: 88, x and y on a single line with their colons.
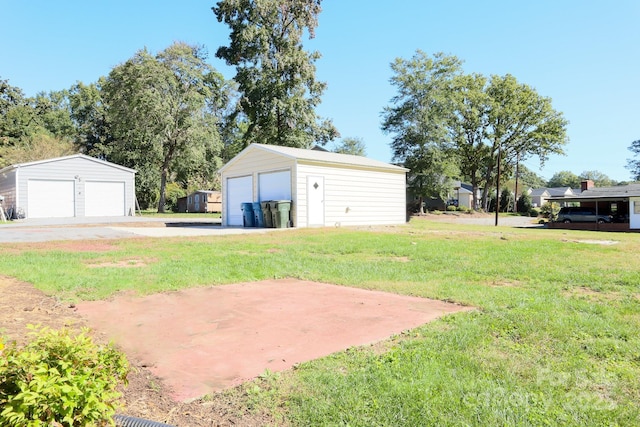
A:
x: 65, y: 246
x: 594, y: 242
x: 125, y: 263
x: 146, y: 396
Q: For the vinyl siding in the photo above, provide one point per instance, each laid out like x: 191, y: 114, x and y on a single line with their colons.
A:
x: 251, y: 163
x: 80, y: 170
x: 8, y: 188
x: 355, y: 196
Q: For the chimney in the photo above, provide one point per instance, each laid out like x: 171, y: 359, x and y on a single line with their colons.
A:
x: 587, y: 184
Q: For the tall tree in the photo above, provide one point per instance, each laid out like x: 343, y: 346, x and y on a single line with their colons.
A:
x: 354, y: 146
x: 420, y: 118
x: 521, y: 124
x: 564, y: 179
x: 634, y: 164
x: 469, y: 123
x: 89, y: 116
x: 162, y: 115
x: 276, y: 76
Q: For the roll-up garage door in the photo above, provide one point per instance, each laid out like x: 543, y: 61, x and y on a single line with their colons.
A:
x: 274, y: 185
x: 104, y: 198
x: 239, y: 190
x: 50, y: 199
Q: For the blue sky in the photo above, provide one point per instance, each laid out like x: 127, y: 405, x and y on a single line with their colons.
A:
x: 585, y: 55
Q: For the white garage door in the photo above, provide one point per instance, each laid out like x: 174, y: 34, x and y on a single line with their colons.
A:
x: 50, y: 199
x: 104, y: 198
x: 275, y: 185
x: 239, y: 190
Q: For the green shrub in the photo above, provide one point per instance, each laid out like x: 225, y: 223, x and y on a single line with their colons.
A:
x: 534, y: 212
x: 549, y: 210
x: 463, y: 209
x: 451, y: 208
x: 60, y: 379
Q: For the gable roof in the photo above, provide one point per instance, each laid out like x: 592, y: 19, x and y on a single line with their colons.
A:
x: 317, y: 156
x: 616, y: 192
x: 73, y: 156
x: 537, y: 192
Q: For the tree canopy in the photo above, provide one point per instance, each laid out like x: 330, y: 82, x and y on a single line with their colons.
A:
x: 349, y: 145
x: 634, y: 164
x: 275, y: 75
x: 161, y: 113
x: 471, y: 121
x: 564, y: 179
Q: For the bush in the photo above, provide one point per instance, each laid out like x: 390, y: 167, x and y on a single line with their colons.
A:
x: 534, y: 212
x: 451, y: 208
x: 549, y: 210
x: 524, y: 204
x: 60, y: 379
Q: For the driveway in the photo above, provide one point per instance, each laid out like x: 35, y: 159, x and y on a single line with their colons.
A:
x: 52, y: 229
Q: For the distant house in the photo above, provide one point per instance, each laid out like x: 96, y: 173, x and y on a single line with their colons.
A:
x: 461, y: 195
x: 204, y: 201
x: 540, y: 196
x: 621, y: 202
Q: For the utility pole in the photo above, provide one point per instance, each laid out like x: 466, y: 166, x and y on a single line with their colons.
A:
x: 498, y: 184
x: 515, y: 196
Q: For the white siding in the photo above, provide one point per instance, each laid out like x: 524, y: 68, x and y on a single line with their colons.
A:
x: 634, y: 213
x: 77, y: 168
x: 8, y: 189
x: 355, y: 196
x: 356, y: 192
x: 253, y: 162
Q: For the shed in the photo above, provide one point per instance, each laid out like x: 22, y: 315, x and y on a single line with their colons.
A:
x: 204, y: 201
x: 71, y: 186
x: 326, y: 189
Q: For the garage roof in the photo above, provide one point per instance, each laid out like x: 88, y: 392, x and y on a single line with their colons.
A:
x: 318, y: 156
x: 73, y: 156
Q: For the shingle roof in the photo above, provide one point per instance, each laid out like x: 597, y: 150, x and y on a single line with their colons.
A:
x: 616, y: 192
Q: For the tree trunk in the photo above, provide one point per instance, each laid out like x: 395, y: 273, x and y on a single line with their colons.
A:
x: 163, y: 186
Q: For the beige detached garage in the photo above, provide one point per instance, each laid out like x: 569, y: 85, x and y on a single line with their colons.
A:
x: 72, y: 186
x: 327, y: 189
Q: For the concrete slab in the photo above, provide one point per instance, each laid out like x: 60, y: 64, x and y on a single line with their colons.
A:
x: 207, y: 339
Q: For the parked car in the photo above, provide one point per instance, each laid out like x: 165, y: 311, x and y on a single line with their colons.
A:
x: 578, y: 214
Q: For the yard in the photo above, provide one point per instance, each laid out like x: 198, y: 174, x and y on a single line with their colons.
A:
x: 554, y: 339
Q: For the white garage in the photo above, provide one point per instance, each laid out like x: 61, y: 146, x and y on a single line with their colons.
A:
x: 326, y: 189
x: 65, y: 187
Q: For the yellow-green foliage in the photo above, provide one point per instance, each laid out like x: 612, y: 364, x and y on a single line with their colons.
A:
x: 59, y: 378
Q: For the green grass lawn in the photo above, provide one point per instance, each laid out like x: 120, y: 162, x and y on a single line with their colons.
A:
x: 554, y: 339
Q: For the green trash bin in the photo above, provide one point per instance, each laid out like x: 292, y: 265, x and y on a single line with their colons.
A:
x: 266, y: 213
x: 281, y: 210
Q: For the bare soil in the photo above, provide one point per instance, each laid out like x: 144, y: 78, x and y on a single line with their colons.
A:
x: 146, y: 396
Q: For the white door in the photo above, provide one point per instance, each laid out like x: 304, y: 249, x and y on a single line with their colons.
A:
x: 274, y: 186
x: 239, y: 190
x: 315, y: 200
x: 104, y: 198
x: 50, y: 199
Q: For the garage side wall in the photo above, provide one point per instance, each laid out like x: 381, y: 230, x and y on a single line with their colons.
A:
x: 8, y: 189
x: 355, y: 196
x: 252, y: 163
x: 79, y: 170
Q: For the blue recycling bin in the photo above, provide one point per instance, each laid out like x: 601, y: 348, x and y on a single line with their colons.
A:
x: 247, y: 215
x: 258, y: 218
